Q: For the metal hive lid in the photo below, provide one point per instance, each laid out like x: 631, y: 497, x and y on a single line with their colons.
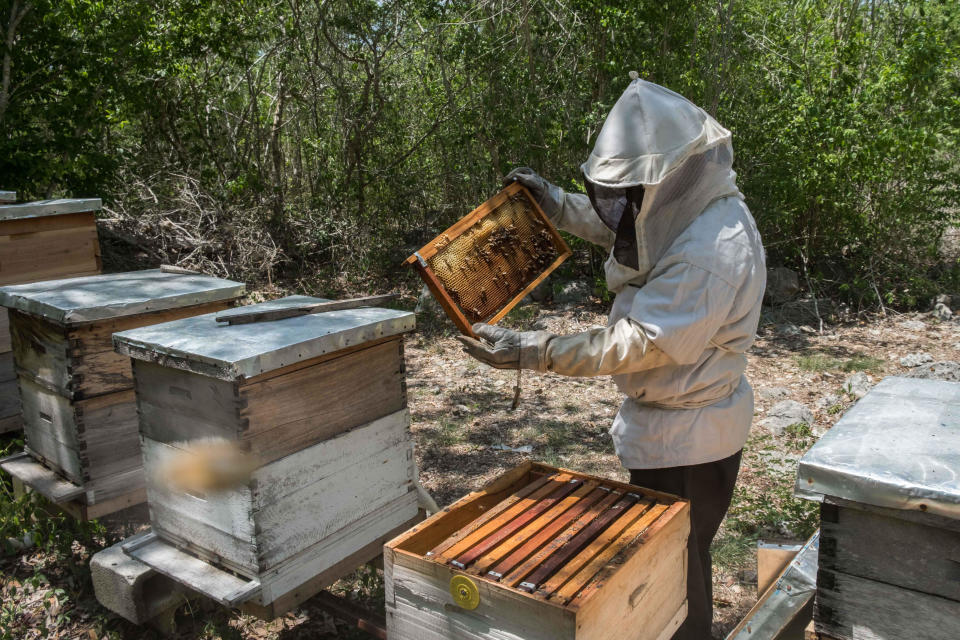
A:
x: 898, y: 447
x: 42, y: 208
x: 231, y: 352
x: 93, y: 298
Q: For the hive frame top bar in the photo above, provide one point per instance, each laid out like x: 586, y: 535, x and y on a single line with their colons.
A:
x: 43, y: 208
x: 234, y: 352
x: 441, y: 534
x: 92, y: 298
x: 898, y: 447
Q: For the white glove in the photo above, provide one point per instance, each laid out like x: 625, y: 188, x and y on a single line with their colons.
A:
x: 549, y: 196
x: 504, y: 348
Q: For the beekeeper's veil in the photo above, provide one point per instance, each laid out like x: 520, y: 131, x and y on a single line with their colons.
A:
x: 658, y: 162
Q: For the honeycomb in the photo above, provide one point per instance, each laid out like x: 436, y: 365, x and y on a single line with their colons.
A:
x: 487, y: 266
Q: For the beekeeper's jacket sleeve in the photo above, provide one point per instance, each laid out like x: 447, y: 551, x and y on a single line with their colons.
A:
x: 576, y: 216
x: 672, y: 319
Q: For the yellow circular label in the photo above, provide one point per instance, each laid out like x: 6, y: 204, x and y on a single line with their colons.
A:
x: 465, y: 593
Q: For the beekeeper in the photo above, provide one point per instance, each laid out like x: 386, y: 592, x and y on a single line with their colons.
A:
x: 687, y: 267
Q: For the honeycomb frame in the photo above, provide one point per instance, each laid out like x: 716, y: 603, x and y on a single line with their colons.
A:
x: 485, y: 264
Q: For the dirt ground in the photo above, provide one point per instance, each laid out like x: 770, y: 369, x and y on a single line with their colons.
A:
x: 466, y: 435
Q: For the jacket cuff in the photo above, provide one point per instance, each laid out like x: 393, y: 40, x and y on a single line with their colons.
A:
x: 533, y: 350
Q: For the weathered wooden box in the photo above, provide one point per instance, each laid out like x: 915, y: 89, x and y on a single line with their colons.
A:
x: 40, y: 241
x: 319, y: 402
x: 542, y: 554
x: 888, y: 474
x: 79, y: 409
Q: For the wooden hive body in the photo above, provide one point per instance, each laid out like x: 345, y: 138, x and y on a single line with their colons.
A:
x: 603, y: 560
x: 41, y: 241
x: 886, y: 573
x: 326, y: 426
x: 889, y: 559
x: 78, y: 403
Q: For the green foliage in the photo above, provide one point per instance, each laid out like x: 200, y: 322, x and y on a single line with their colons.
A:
x: 332, y: 138
x: 732, y: 550
x: 30, y: 518
x: 764, y: 504
x: 851, y: 157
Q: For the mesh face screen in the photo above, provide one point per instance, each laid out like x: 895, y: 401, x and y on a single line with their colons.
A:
x: 495, y: 259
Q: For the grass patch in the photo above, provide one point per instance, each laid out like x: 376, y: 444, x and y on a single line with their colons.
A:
x: 774, y: 511
x: 731, y: 550
x: 448, y: 433
x: 763, y: 501
x: 834, y: 409
x: 820, y: 362
x: 799, y: 436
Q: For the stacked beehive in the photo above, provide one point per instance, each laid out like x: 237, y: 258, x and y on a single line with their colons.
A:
x: 79, y: 409
x: 40, y: 241
x: 318, y: 402
x: 542, y: 554
x: 887, y: 475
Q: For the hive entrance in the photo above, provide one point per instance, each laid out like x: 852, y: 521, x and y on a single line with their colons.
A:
x: 482, y: 266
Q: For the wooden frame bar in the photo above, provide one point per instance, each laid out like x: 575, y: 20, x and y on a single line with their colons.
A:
x: 514, y: 569
x: 556, y: 566
x: 516, y: 524
x: 532, y: 490
x: 556, y: 514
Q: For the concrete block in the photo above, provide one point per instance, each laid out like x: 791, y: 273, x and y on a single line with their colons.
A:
x: 130, y: 588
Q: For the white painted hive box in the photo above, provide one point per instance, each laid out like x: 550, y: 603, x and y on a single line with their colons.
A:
x: 79, y: 410
x: 319, y: 401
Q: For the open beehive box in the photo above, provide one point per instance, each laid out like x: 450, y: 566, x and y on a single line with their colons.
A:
x: 79, y: 408
x: 542, y: 554
x: 482, y: 266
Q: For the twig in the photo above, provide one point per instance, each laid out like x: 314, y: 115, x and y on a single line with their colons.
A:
x: 813, y: 293
x: 516, y: 390
x: 879, y: 298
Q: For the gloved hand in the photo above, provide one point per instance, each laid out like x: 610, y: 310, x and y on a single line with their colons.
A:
x: 548, y: 196
x: 507, y: 349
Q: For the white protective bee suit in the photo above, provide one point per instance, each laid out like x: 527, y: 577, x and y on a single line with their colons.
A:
x: 688, y: 275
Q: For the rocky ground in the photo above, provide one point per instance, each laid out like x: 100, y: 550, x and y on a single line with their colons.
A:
x: 805, y: 378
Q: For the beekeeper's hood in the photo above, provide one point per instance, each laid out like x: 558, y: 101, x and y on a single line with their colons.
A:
x: 663, y: 160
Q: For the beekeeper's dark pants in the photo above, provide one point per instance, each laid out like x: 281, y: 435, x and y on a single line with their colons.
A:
x: 709, y: 488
